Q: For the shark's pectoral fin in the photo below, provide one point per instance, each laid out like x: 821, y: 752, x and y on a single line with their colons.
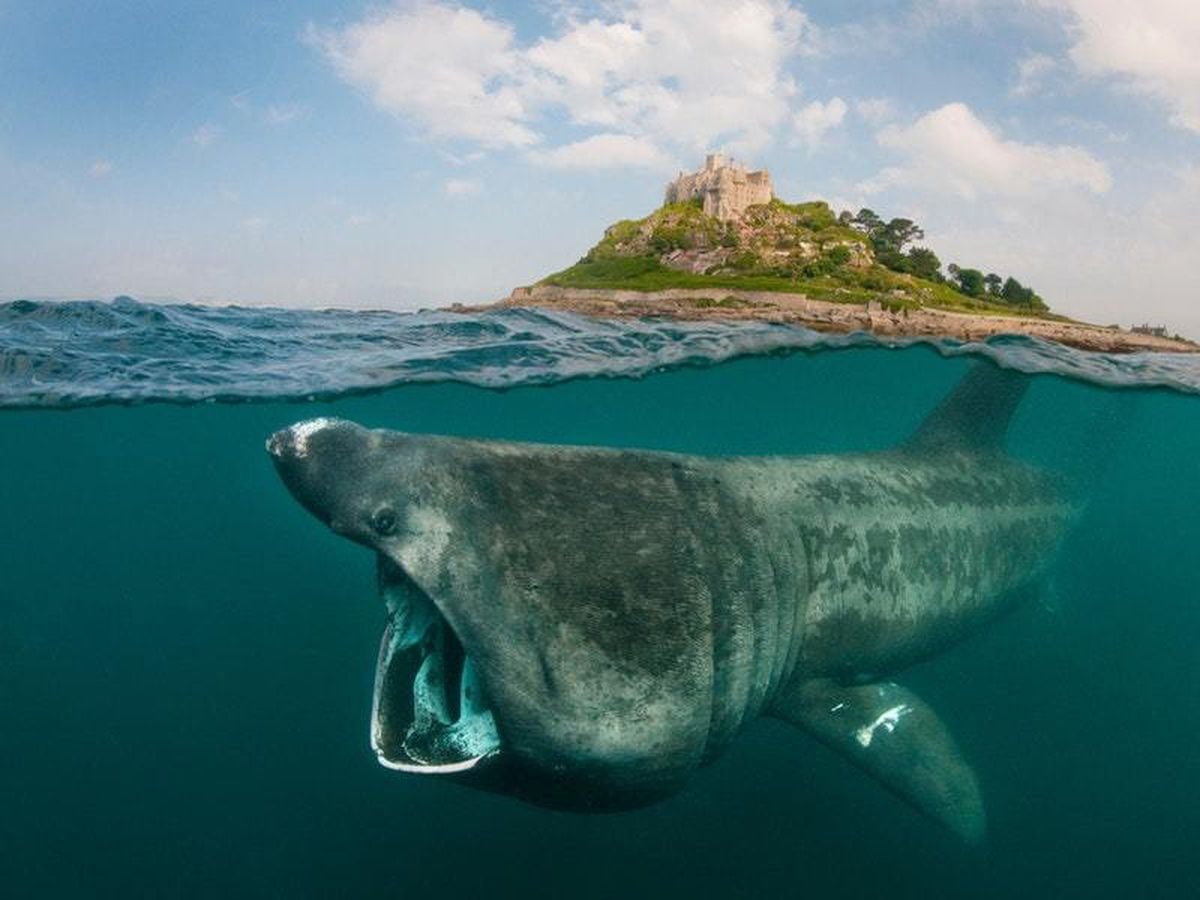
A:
x: 894, y: 735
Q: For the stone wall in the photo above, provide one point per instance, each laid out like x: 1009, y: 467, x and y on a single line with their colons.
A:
x: 726, y: 188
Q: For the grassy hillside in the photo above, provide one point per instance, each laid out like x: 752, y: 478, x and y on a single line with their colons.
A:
x: 796, y: 248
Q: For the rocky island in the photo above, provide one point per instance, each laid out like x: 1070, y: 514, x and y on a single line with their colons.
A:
x: 722, y: 245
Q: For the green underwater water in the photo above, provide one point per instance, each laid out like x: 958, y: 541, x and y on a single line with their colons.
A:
x: 186, y: 662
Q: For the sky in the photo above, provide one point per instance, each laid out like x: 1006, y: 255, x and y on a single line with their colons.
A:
x: 416, y: 153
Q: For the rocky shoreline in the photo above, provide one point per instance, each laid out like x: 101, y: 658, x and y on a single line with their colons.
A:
x: 824, y: 315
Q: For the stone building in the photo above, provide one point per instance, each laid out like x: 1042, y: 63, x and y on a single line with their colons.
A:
x: 725, y: 186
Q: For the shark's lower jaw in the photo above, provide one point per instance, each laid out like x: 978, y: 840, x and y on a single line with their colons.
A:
x: 429, y: 715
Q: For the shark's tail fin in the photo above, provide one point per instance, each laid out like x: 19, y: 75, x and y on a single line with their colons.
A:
x: 975, y: 415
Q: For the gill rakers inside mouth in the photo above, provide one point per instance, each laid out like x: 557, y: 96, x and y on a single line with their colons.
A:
x: 429, y: 713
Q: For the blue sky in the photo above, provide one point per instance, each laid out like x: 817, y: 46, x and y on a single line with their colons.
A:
x: 414, y: 153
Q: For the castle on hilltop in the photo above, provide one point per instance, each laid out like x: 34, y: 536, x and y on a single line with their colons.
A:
x: 725, y: 186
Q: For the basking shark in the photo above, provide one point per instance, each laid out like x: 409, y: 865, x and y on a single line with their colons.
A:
x: 583, y: 627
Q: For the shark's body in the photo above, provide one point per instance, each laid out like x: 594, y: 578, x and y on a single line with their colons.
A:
x: 585, y: 626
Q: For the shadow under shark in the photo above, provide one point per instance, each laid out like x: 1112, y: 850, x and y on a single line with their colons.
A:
x: 584, y: 627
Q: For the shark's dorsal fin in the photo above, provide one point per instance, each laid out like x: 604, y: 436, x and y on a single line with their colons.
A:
x: 975, y: 415
x: 894, y: 735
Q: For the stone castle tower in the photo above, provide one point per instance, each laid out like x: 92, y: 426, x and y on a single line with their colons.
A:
x: 726, y: 187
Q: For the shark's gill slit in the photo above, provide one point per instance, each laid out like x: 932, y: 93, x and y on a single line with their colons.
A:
x: 430, y: 714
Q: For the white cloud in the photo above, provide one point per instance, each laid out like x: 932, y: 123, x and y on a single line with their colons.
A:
x: 950, y: 150
x: 652, y: 70
x: 282, y: 115
x: 462, y: 187
x: 452, y: 71
x: 605, y: 151
x: 811, y: 123
x: 1150, y: 46
x: 875, y: 110
x: 357, y: 220
x: 1032, y: 72
x: 255, y: 223
x: 659, y: 69
x: 205, y: 135
x: 458, y: 160
x: 101, y: 168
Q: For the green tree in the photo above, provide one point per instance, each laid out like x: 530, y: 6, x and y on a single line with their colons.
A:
x: 897, y: 234
x: 867, y: 222
x: 970, y: 282
x: 1016, y: 293
x: 888, y: 239
x: 1019, y: 295
x: 924, y: 263
x: 891, y: 258
x: 993, y: 282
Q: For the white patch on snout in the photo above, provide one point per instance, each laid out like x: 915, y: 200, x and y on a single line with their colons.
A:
x: 888, y: 719
x: 302, y: 431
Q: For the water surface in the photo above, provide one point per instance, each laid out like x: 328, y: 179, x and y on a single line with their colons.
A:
x: 186, y: 656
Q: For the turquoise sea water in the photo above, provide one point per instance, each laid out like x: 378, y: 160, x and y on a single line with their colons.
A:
x: 186, y: 656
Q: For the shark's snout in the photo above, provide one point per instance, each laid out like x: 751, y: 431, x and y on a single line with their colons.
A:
x: 309, y: 456
x: 293, y: 442
x: 280, y: 444
x: 431, y: 713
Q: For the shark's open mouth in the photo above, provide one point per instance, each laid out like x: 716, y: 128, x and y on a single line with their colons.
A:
x: 430, y: 714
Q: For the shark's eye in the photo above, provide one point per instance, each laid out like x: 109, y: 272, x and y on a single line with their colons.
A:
x: 384, y: 522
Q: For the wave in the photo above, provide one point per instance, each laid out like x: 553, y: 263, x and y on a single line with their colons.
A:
x: 61, y: 354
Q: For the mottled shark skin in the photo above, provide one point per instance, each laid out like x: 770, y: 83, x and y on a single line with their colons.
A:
x: 583, y: 627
